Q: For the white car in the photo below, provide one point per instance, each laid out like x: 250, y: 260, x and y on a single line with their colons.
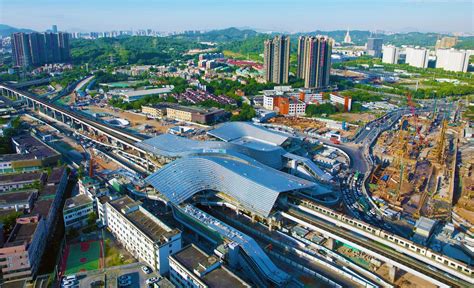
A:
x: 152, y: 280
x: 146, y: 269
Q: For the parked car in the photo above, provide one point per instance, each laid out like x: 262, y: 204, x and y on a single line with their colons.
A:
x: 146, y: 269
x: 152, y: 280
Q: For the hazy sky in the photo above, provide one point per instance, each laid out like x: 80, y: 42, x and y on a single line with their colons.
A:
x: 276, y: 15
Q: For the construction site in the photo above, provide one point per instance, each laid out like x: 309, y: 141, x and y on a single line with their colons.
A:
x: 319, y: 126
x: 415, y: 173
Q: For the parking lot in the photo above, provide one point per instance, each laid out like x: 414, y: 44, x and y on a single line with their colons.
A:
x: 110, y: 276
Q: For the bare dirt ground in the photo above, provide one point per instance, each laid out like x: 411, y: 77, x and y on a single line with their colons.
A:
x: 134, y: 118
x: 355, y: 118
x: 404, y: 279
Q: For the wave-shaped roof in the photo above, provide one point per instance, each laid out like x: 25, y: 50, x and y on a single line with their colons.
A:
x: 252, y: 184
x: 232, y: 131
x: 169, y: 145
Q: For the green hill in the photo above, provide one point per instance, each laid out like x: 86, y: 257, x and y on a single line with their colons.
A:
x: 6, y: 30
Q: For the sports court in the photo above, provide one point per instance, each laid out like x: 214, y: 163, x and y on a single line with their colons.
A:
x: 83, y: 256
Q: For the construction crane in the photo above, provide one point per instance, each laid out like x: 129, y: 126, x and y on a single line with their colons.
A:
x: 91, y: 163
x: 415, y: 116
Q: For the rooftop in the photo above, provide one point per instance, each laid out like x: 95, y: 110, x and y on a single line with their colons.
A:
x: 21, y: 233
x: 42, y: 207
x: 56, y: 175
x: 198, y: 110
x: 425, y: 224
x: 255, y: 186
x: 22, y: 177
x: 146, y: 92
x: 231, y: 131
x: 77, y: 201
x: 142, y: 219
x: 33, y: 146
x: 194, y: 259
x: 16, y: 197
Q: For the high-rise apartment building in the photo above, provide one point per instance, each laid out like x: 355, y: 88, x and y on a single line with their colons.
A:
x: 35, y: 49
x: 21, y: 49
x: 374, y: 47
x: 314, y: 60
x: 54, y: 29
x: 277, y: 59
x: 390, y: 54
x: 417, y: 57
x: 452, y: 59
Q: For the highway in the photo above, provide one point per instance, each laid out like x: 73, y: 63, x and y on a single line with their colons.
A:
x: 119, y: 134
x: 379, y: 249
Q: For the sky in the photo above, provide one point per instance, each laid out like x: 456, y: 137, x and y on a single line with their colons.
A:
x: 265, y: 15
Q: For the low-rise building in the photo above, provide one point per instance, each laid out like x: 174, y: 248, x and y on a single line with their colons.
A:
x: 346, y: 101
x: 192, y: 267
x: 423, y: 229
x: 19, y: 200
x: 21, y: 181
x: 133, y: 95
x: 21, y: 254
x: 285, y: 105
x: 192, y: 114
x: 77, y: 211
x: 31, y: 154
x: 93, y: 187
x: 158, y: 110
x: 141, y: 233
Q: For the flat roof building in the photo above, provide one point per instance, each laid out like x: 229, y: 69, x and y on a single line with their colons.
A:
x: 31, y: 154
x: 19, y: 181
x: 192, y: 267
x: 193, y: 114
x: 77, y: 211
x: 130, y: 96
x: 141, y: 233
x: 21, y: 254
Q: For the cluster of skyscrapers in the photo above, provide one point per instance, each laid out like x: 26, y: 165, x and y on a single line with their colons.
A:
x: 35, y: 49
x: 314, y: 60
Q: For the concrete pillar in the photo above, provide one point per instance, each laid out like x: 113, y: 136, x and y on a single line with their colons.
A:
x: 254, y: 218
x: 330, y: 243
x: 392, y: 273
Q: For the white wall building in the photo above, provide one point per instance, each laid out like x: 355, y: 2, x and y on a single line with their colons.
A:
x: 141, y: 233
x: 452, y: 59
x: 193, y: 268
x: 77, y: 210
x: 390, y: 54
x: 417, y: 57
x: 343, y: 100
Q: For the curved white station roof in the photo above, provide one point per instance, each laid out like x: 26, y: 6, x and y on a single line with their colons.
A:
x: 233, y: 131
x: 254, y: 185
x: 175, y: 146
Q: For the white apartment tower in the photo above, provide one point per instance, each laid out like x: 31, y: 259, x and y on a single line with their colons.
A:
x: 452, y: 60
x: 390, y: 54
x: 417, y: 57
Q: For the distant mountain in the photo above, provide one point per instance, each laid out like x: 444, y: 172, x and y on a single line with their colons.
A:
x: 6, y: 30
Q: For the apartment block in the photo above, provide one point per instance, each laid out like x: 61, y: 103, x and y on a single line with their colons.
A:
x: 141, y: 233
x: 77, y: 211
x: 21, y: 254
x: 192, y: 267
x: 346, y: 101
